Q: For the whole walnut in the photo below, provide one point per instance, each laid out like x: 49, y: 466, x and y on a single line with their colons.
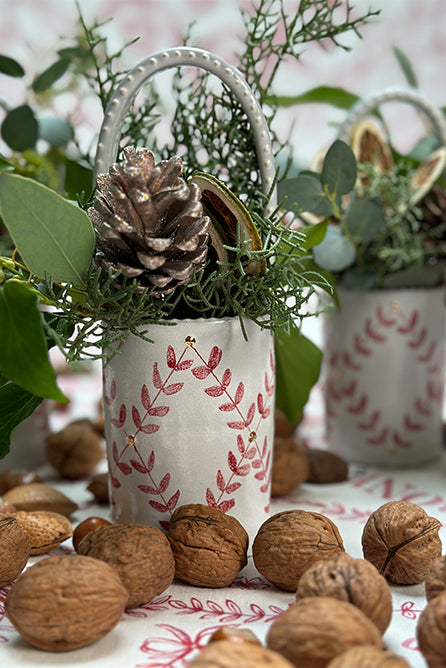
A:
x: 402, y: 541
x: 66, y: 602
x: 14, y: 477
x: 209, y: 546
x: 367, y: 656
x: 288, y: 543
x: 312, y: 631
x: 15, y: 549
x: 75, y: 450
x: 282, y: 426
x: 140, y: 554
x: 326, y: 467
x: 431, y: 632
x: 228, y: 654
x: 436, y: 579
x: 290, y: 466
x: 353, y: 580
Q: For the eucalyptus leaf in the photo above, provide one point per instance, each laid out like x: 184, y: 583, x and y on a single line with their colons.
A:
x: 23, y: 353
x: 10, y: 67
x: 335, y: 252
x: 406, y: 67
x: 56, y: 131
x: 16, y: 404
x: 339, y: 171
x: 364, y: 219
x: 54, y: 237
x: 337, y: 97
x: 78, y: 178
x: 298, y: 363
x: 20, y: 129
x: 5, y: 166
x: 50, y: 75
x: 305, y: 193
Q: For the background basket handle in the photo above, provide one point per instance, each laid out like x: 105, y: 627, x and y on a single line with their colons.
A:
x: 363, y: 108
x: 119, y: 104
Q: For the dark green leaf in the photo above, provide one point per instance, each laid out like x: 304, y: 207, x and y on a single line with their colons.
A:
x: 54, y: 237
x: 298, y: 363
x: 339, y: 171
x: 5, y: 166
x: 11, y: 67
x: 50, y: 75
x: 16, y: 404
x: 313, y: 234
x: 337, y: 97
x: 406, y: 67
x: 422, y: 150
x: 56, y: 131
x: 305, y: 193
x: 19, y: 128
x: 365, y: 219
x: 23, y: 353
x: 78, y: 179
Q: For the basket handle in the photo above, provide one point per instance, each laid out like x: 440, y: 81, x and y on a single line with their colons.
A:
x: 129, y: 86
x: 364, y: 107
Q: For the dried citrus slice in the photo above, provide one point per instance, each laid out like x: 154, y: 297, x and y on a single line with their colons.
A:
x: 426, y: 175
x: 231, y: 223
x: 369, y: 145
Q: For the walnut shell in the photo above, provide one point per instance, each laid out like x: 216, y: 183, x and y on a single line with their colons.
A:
x: 14, y: 477
x: 436, y: 580
x: 354, y: 580
x: 45, y: 529
x: 14, y: 549
x: 37, y: 496
x: 75, y: 450
x: 140, y: 554
x: 227, y: 654
x: 209, y: 547
x: 66, y: 602
x: 368, y: 656
x: 290, y: 542
x: 282, y: 427
x: 98, y: 486
x: 431, y: 632
x: 312, y: 631
x: 402, y: 541
x: 325, y: 467
x: 290, y: 466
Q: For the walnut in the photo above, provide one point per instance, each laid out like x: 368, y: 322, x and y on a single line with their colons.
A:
x: 312, y: 631
x: 368, y: 656
x: 37, y: 496
x: 14, y: 549
x: 290, y: 466
x: 226, y: 654
x: 326, y: 467
x: 290, y: 542
x: 209, y: 547
x: 14, y: 477
x: 234, y: 635
x: 98, y: 486
x: 66, y: 602
x: 282, y: 426
x: 402, y: 541
x: 354, y: 580
x: 436, y: 579
x: 75, y: 451
x: 140, y: 554
x: 45, y: 529
x: 431, y: 632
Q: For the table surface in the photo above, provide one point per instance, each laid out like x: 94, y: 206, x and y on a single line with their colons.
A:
x: 169, y: 630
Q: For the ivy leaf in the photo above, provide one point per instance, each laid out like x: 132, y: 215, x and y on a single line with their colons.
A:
x: 23, y: 353
x: 50, y: 75
x: 16, y: 404
x: 305, y: 193
x: 20, y: 129
x: 298, y: 364
x: 53, y: 236
x: 11, y: 67
x: 364, y: 219
x: 339, y: 171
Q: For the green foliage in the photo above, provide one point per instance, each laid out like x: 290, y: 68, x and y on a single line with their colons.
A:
x: 11, y: 67
x: 16, y: 404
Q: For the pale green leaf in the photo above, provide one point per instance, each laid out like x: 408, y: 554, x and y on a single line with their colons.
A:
x: 339, y: 170
x: 406, y: 67
x: 305, y: 193
x: 16, y: 404
x: 53, y: 236
x: 337, y: 97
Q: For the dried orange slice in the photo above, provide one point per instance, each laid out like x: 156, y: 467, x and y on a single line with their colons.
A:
x: 426, y: 175
x: 369, y: 145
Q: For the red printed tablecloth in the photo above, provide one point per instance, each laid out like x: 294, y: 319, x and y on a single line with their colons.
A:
x: 169, y: 630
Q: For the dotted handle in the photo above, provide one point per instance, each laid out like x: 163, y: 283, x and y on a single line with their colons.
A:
x: 365, y: 107
x: 119, y: 104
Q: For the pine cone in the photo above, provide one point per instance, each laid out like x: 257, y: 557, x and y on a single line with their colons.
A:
x: 149, y: 222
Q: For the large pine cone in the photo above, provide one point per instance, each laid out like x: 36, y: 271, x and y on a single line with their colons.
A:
x: 149, y: 222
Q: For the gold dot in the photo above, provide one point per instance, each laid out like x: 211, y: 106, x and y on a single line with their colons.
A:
x: 131, y: 441
x: 252, y: 436
x: 189, y: 341
x: 395, y: 306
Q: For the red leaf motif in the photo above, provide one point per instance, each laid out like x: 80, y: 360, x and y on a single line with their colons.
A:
x: 240, y: 391
x: 259, y: 475
x: 256, y: 464
x: 243, y: 470
x: 225, y: 506
x: 150, y: 462
x: 147, y: 489
x: 145, y: 397
x: 250, y: 414
x: 201, y: 372
x: 265, y: 443
x: 158, y: 411
x: 251, y: 453
x: 227, y: 377
x: 159, y: 507
x: 122, y: 417
x: 227, y: 407
x: 136, y: 417
x: 156, y: 378
x: 210, y: 498
x: 124, y: 468
x: 173, y: 389
x: 115, y: 482
x: 266, y: 413
x: 240, y: 444
x: 233, y: 487
x: 215, y: 391
x: 115, y: 452
x: 164, y: 484
x: 110, y: 398
x: 220, y: 481
x: 260, y: 404
x: 138, y: 466
x: 170, y: 357
x: 149, y: 428
x: 172, y: 502
x: 232, y: 462
x: 214, y: 358
x: 236, y: 425
x: 265, y: 488
x: 184, y: 364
